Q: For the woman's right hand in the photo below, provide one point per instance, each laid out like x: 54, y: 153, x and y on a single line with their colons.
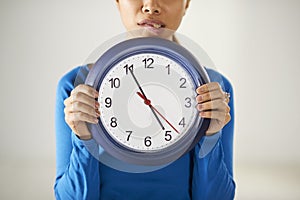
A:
x: 82, y: 107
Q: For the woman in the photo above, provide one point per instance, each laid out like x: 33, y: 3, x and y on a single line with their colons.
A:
x: 193, y: 176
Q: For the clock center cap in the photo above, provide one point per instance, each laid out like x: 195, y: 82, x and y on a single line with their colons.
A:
x: 147, y: 102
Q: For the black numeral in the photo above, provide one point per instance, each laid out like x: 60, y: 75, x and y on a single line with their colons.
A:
x: 182, y: 122
x: 113, y: 122
x: 127, y: 68
x: 114, y: 82
x: 129, y: 134
x: 168, y: 69
x: 183, y: 82
x: 147, y: 141
x: 148, y: 62
x: 188, y: 102
x: 108, y: 102
x: 168, y: 136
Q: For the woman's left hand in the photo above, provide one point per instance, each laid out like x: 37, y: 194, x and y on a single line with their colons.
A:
x: 213, y: 104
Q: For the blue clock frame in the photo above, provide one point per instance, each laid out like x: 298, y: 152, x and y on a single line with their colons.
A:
x: 172, y: 51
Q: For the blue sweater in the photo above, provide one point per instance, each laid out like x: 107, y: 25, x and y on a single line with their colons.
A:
x: 203, y: 173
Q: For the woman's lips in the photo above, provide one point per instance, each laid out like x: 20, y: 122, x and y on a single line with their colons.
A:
x: 152, y: 23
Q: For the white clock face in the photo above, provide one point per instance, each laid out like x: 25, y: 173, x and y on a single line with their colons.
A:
x: 147, y: 102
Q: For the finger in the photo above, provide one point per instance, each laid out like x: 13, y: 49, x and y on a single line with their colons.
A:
x: 216, y: 94
x: 80, y: 116
x: 84, y: 98
x: 227, y: 118
x: 80, y: 107
x: 218, y: 104
x: 84, y: 108
x: 85, y: 89
x: 222, y: 117
x: 227, y: 100
x: 80, y: 98
x: 208, y: 87
x: 227, y: 97
x: 67, y: 101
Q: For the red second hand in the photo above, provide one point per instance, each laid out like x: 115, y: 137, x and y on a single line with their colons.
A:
x: 148, y: 103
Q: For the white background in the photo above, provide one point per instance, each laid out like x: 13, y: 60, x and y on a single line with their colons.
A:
x: 255, y: 43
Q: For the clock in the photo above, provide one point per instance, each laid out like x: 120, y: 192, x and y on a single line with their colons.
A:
x: 147, y: 96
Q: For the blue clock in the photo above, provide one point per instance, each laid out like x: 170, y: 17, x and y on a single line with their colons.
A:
x: 147, y: 95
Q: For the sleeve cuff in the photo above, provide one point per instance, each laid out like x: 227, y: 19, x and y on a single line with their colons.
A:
x: 90, y: 145
x: 208, y: 143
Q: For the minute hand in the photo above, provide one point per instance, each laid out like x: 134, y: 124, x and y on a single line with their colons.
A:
x: 148, y: 102
x: 140, y: 88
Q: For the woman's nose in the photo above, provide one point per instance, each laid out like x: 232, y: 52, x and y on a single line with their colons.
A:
x: 151, y: 7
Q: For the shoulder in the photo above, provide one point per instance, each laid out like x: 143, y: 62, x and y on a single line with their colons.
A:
x: 73, y: 78
x: 216, y: 76
x: 69, y: 76
x: 67, y: 80
x: 66, y: 83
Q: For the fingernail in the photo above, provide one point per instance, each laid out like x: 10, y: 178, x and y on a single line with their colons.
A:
x: 96, y: 94
x: 199, y: 98
x: 201, y: 90
x: 200, y: 106
x: 97, y: 104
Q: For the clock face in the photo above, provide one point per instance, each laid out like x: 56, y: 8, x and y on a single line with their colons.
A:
x: 147, y: 102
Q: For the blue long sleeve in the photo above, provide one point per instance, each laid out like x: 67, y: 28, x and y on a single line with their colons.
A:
x: 77, y: 174
x: 213, y: 173
x: 196, y: 175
